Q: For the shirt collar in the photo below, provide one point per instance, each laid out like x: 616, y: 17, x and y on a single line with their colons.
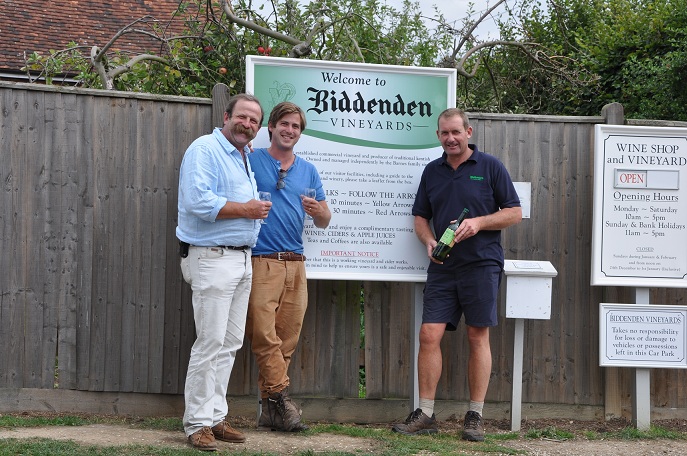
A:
x: 224, y: 142
x: 474, y: 157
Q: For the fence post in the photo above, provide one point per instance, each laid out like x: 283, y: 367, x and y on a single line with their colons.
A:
x: 613, y: 114
x: 220, y: 95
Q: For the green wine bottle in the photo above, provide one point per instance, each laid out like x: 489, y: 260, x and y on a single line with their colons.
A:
x: 447, y: 240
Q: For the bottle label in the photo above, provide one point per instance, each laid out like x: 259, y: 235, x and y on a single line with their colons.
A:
x: 448, y: 236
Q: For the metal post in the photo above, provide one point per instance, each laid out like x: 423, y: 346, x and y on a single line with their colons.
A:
x: 641, y: 406
x: 516, y: 399
x: 415, y: 323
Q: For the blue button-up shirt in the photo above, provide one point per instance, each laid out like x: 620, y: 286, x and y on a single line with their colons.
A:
x: 212, y: 173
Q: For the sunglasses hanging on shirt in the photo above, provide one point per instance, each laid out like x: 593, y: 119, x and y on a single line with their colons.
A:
x: 281, y: 183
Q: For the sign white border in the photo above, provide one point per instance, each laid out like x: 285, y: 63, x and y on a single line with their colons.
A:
x: 624, y: 329
x: 403, y: 258
x: 633, y: 244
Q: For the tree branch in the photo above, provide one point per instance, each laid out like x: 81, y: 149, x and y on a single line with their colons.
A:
x: 116, y: 71
x: 257, y: 28
x: 124, y: 30
x: 468, y: 34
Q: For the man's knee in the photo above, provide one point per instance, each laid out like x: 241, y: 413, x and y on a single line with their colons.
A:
x: 478, y: 336
x: 431, y: 333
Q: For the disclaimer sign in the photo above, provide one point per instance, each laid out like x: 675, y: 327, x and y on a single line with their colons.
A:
x: 635, y: 335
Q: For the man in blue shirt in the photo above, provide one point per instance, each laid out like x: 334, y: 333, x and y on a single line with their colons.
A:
x: 280, y: 295
x: 218, y: 223
x: 467, y: 282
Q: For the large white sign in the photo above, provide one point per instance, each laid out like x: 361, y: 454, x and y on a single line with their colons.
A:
x: 640, y: 206
x: 635, y: 335
x: 371, y: 129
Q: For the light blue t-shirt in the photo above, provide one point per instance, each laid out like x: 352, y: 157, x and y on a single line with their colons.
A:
x: 283, y: 230
x: 212, y: 173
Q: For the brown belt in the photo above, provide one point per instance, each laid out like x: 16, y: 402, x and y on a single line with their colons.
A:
x: 283, y: 256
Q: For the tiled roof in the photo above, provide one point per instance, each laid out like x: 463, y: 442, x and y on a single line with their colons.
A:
x: 40, y: 25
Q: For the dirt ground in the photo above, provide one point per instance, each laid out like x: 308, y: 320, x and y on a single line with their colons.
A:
x: 286, y: 443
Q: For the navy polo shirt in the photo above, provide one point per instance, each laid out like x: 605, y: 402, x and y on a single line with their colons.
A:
x: 483, y: 185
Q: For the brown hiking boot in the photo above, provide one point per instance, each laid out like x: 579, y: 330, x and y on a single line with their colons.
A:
x: 203, y: 440
x: 270, y: 419
x: 473, y: 430
x: 223, y: 431
x: 290, y: 415
x: 417, y: 423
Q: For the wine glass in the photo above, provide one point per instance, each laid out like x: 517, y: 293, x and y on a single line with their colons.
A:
x: 310, y: 193
x: 264, y: 196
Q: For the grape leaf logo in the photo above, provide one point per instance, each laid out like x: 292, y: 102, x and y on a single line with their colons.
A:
x: 282, y: 92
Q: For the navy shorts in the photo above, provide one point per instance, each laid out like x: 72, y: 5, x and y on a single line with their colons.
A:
x: 472, y: 292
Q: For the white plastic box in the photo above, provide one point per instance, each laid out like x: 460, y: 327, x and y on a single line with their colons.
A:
x: 528, y: 289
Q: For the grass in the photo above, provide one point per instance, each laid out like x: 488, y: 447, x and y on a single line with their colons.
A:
x: 387, y: 442
x: 654, y: 432
x: 35, y: 421
x: 439, y: 444
x: 49, y: 447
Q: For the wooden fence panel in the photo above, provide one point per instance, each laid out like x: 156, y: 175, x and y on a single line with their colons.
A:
x: 84, y: 257
x: 11, y: 359
x: 62, y: 113
x: 388, y: 339
x: 91, y: 272
x: 556, y: 157
x: 185, y: 122
x: 326, y: 363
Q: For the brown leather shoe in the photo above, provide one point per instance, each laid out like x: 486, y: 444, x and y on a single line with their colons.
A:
x: 223, y: 431
x: 203, y: 440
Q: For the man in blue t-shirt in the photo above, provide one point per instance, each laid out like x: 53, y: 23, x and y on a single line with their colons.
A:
x: 467, y: 282
x: 279, y: 296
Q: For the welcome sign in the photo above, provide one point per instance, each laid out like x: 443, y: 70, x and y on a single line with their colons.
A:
x: 371, y: 129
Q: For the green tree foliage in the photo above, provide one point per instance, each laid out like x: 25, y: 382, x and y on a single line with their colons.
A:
x: 561, y: 57
x: 374, y: 32
x: 629, y: 51
x: 211, y: 49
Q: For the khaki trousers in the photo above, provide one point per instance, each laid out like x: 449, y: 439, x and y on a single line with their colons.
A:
x: 276, y: 309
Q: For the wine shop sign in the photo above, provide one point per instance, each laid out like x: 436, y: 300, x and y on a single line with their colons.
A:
x: 640, y: 206
x: 371, y: 129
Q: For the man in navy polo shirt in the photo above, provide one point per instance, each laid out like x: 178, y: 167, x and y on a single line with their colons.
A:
x: 467, y: 282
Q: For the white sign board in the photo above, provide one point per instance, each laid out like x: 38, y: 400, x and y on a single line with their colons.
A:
x: 524, y: 190
x: 645, y: 336
x: 371, y: 129
x: 640, y: 207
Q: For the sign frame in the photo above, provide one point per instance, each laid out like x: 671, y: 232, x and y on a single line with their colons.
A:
x: 382, y: 165
x: 631, y: 325
x: 640, y: 206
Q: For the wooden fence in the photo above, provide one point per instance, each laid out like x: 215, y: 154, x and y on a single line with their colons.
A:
x: 92, y: 299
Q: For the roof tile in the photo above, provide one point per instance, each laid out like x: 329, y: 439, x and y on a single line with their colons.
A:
x: 28, y: 26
